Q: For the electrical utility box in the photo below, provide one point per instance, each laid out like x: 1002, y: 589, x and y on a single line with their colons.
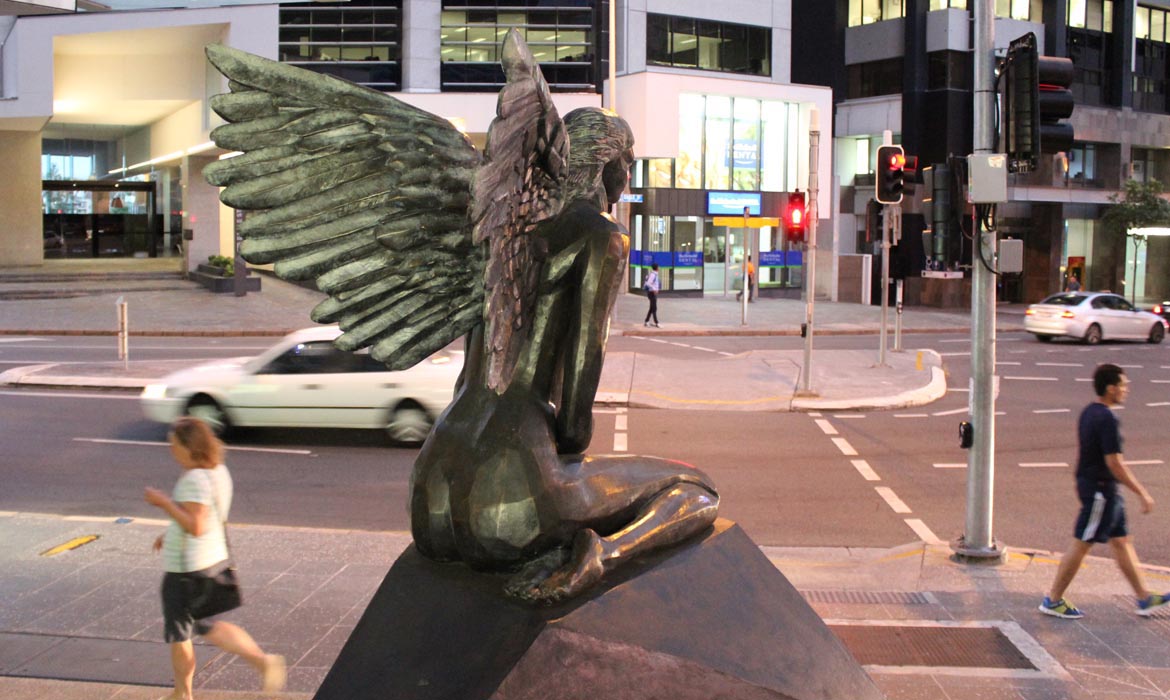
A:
x: 1011, y: 255
x: 987, y: 178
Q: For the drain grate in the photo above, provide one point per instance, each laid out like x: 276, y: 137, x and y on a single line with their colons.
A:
x: 868, y: 597
x: 960, y: 647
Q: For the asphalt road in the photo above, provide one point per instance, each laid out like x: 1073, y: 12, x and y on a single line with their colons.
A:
x: 789, y: 479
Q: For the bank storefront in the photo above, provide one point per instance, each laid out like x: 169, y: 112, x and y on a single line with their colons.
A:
x: 686, y: 210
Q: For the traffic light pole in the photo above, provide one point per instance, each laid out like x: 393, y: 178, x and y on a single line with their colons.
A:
x: 886, y: 215
x: 810, y: 287
x: 978, y: 542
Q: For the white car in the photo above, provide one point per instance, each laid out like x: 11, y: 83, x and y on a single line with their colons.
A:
x: 304, y: 381
x: 1092, y: 317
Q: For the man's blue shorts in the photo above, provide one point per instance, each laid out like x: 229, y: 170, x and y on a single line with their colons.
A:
x: 1102, y: 515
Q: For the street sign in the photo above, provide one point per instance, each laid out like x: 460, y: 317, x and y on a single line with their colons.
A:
x: 753, y: 221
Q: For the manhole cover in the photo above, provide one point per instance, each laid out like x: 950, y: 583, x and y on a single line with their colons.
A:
x: 963, y: 647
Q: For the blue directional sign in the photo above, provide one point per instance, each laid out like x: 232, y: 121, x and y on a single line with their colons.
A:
x: 771, y: 258
x: 732, y: 203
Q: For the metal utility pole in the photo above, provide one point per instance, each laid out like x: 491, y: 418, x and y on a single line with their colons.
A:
x: 747, y: 249
x: 887, y: 139
x: 978, y: 542
x: 810, y: 287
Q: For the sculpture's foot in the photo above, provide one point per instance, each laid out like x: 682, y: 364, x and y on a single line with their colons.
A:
x: 584, y: 568
x: 535, y: 571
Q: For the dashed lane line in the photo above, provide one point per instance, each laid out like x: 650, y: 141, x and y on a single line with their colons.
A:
x: 865, y: 470
x: 892, y: 499
x: 950, y: 465
x: 681, y: 345
x: 843, y: 445
x: 726, y: 354
x: 1059, y: 364
x: 1044, y: 465
x: 157, y: 443
x: 71, y: 395
x: 619, y: 442
x: 912, y: 415
x: 954, y: 354
x: 1052, y: 410
x: 1130, y: 366
x: 825, y: 426
x: 952, y: 412
x: 849, y: 416
x: 1159, y: 403
x: 620, y: 422
x: 696, y: 347
x: 1144, y: 462
x: 1160, y: 381
x: 924, y: 533
x: 1003, y: 362
x: 1033, y: 379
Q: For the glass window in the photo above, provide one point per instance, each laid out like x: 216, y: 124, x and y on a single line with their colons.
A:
x: 332, y: 33
x: 1141, y: 23
x: 717, y: 172
x: 745, y: 148
x: 870, y: 11
x: 659, y: 172
x: 689, y: 169
x: 707, y: 45
x: 774, y: 147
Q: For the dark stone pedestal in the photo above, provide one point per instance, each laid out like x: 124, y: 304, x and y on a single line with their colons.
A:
x: 708, y: 619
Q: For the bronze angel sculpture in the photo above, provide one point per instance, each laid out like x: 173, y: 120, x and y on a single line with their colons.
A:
x: 418, y: 240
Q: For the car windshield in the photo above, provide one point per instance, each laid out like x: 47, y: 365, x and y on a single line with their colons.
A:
x: 1065, y: 299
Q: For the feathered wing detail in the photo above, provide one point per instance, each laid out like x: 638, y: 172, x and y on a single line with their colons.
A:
x: 362, y: 193
x: 517, y: 187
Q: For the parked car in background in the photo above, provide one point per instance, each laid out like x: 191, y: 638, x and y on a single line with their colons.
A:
x: 1162, y: 310
x: 304, y: 381
x: 1092, y: 317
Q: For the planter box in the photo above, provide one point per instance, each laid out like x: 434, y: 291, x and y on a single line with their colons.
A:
x: 213, y: 279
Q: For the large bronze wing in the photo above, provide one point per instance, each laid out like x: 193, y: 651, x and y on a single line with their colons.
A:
x: 517, y: 187
x: 360, y: 192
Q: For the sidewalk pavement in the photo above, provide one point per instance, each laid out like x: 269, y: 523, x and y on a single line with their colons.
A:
x: 84, y: 624
x: 75, y: 300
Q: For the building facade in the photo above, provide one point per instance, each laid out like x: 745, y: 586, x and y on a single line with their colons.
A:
x: 905, y: 66
x: 106, y: 113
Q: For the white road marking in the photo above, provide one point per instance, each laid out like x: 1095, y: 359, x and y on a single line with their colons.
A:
x: 892, y: 499
x: 69, y: 395
x: 1059, y: 364
x: 1159, y: 403
x: 656, y: 340
x: 843, y: 445
x: 1130, y: 366
x: 1052, y: 410
x: 924, y: 533
x: 826, y: 427
x: 727, y: 354
x: 865, y: 470
x: 696, y: 347
x: 23, y: 340
x: 1160, y: 381
x: 912, y: 415
x: 1033, y: 379
x: 814, y: 414
x: 619, y: 423
x: 1144, y: 462
x: 849, y: 416
x: 681, y: 345
x: 1000, y: 362
x: 963, y: 389
x: 951, y: 412
x: 953, y: 354
x: 950, y: 465
x: 956, y: 340
x: 1082, y: 379
x: 619, y: 442
x: 1043, y: 465
x: 154, y: 443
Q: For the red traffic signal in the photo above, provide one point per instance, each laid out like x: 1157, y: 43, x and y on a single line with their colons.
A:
x: 889, y: 183
x: 794, y: 217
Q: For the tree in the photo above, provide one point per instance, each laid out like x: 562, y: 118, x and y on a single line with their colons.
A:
x: 1141, y: 206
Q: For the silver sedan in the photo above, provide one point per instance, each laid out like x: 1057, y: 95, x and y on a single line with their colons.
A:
x: 1092, y: 317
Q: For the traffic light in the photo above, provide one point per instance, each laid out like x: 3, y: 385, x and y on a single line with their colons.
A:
x: 1037, y: 98
x: 891, y: 162
x: 794, y: 215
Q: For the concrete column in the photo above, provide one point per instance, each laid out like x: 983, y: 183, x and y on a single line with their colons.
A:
x: 420, y: 45
x: 21, y: 219
x: 201, y: 213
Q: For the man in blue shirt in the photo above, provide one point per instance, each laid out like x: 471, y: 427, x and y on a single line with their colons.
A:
x: 1100, y: 468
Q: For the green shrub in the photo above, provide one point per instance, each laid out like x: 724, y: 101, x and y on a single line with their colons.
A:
x: 228, y: 265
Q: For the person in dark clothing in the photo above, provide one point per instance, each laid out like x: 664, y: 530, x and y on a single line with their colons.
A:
x: 1100, y: 468
x: 652, y: 285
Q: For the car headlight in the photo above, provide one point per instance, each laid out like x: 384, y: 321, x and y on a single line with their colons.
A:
x: 155, y: 391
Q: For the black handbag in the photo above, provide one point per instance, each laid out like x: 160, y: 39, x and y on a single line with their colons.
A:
x: 214, y: 590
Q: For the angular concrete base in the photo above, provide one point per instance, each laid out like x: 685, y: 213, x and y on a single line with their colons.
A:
x: 708, y: 619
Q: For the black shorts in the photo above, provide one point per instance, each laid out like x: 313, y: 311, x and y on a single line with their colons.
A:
x: 1102, y: 516
x: 178, y: 625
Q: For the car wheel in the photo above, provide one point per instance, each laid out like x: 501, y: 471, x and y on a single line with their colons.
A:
x: 1157, y: 333
x: 210, y: 412
x: 409, y: 424
x: 1093, y: 335
x: 1043, y: 338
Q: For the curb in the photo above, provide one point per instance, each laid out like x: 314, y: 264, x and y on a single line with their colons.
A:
x: 732, y: 332
x: 934, y: 390
x: 234, y: 333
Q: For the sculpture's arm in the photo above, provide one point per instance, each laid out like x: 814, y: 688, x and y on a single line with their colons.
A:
x: 601, y: 274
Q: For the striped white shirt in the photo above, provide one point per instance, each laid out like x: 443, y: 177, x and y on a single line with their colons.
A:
x: 184, y: 552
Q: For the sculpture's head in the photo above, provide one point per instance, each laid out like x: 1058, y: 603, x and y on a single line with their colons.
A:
x: 601, y: 151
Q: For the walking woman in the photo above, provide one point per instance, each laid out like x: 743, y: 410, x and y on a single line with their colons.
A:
x: 195, y: 541
x: 652, y: 286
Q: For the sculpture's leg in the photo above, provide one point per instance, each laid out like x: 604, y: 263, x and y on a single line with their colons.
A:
x: 669, y: 517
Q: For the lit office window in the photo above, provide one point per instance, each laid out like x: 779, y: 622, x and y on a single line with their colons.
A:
x: 561, y: 39
x: 683, y: 42
x: 870, y: 11
x: 358, y: 40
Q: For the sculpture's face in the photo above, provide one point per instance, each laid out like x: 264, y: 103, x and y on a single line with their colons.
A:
x: 616, y: 176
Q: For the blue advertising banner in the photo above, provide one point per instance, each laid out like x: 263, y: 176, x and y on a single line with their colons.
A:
x: 645, y: 258
x: 771, y: 258
x: 732, y: 203
x: 688, y: 258
x: 745, y: 154
x: 794, y: 258
x: 664, y: 258
x: 633, y: 198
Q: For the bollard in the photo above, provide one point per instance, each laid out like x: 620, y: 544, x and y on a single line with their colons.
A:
x: 123, y: 333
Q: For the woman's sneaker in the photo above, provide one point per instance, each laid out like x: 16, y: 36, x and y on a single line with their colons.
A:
x: 1150, y: 605
x: 1062, y: 608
